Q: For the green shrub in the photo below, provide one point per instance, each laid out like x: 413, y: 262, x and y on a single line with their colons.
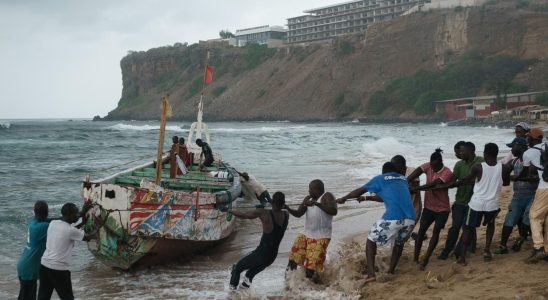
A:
x: 339, y: 100
x: 195, y: 87
x: 522, y: 4
x: 218, y: 91
x: 261, y: 94
x: 256, y: 54
x: 466, y: 77
x: 541, y: 7
x: 542, y: 99
x: 378, y: 102
x: 345, y: 48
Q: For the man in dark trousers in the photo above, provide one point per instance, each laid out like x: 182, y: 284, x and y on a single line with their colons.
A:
x: 28, y: 266
x: 274, y: 223
x: 459, y: 210
x: 207, y: 153
x: 54, y: 273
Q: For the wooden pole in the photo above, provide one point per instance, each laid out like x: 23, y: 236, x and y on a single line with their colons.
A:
x: 163, y: 117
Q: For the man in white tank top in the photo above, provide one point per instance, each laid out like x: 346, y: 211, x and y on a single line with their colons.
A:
x: 310, y: 248
x: 488, y: 178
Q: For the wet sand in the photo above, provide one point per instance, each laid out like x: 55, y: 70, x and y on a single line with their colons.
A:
x: 505, y: 277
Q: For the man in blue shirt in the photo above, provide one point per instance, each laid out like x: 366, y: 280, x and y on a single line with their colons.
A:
x: 398, y: 221
x: 28, y: 266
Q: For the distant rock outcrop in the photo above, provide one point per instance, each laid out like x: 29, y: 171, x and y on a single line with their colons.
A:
x: 333, y: 80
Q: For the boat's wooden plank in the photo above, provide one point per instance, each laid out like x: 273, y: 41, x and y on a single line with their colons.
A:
x: 189, y: 176
x: 181, y: 179
x: 176, y: 184
x: 209, y: 169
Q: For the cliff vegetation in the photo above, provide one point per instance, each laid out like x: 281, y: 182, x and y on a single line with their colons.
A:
x: 395, y: 70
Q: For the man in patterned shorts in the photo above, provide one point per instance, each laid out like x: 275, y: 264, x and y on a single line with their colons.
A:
x: 310, y: 248
x: 397, y: 222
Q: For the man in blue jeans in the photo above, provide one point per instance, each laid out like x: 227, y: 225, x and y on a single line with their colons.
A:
x: 524, y: 193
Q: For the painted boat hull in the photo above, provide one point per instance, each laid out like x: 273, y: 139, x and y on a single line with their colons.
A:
x: 144, y: 227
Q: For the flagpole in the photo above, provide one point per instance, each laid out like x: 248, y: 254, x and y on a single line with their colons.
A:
x: 201, y: 104
x: 163, y: 118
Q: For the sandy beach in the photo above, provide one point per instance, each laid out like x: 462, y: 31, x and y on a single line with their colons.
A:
x: 505, y: 277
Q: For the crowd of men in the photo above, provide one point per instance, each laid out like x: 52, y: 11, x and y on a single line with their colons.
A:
x: 478, y: 182
x: 180, y: 158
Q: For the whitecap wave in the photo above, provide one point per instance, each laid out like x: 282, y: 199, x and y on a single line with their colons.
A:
x: 385, y: 147
x: 126, y: 127
x: 5, y: 125
x: 443, y: 124
x: 258, y: 129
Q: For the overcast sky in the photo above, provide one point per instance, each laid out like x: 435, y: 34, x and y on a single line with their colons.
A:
x: 61, y: 59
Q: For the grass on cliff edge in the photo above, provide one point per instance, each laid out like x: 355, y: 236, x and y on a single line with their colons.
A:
x: 472, y: 73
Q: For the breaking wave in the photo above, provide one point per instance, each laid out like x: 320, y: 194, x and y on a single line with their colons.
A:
x: 258, y: 129
x: 5, y: 125
x: 126, y: 127
x: 384, y: 148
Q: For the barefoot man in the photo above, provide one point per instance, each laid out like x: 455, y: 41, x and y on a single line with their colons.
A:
x: 398, y: 221
x: 488, y: 178
x: 310, y: 248
x: 436, y: 203
x: 274, y: 223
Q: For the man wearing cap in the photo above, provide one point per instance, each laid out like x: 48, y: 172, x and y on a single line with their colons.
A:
x: 521, y: 130
x: 538, y: 213
x: 524, y: 193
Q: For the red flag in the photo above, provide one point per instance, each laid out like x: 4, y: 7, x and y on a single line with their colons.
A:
x: 208, y: 76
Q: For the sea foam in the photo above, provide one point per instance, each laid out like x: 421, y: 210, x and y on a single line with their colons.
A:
x: 385, y: 147
x: 259, y: 129
x: 127, y: 127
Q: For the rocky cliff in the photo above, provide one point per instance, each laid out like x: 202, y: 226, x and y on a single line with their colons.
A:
x: 333, y: 80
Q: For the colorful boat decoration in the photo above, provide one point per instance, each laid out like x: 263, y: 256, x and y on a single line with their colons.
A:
x: 147, y: 218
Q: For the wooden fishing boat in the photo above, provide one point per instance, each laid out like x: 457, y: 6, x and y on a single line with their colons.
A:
x: 146, y: 218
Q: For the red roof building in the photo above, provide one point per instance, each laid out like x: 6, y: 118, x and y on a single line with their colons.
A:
x: 482, y: 106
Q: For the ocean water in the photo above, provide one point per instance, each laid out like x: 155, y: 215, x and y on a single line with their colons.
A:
x: 46, y: 160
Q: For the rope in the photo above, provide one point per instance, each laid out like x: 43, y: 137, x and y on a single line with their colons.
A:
x: 160, y: 209
x: 79, y: 177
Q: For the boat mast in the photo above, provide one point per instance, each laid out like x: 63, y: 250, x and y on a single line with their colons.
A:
x: 197, y: 127
x: 165, y: 111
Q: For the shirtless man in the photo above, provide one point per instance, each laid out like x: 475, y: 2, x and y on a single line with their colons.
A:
x: 274, y: 224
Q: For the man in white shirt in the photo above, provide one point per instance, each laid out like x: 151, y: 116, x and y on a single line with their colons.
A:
x: 538, y: 213
x: 488, y: 178
x: 54, y: 272
x: 253, y: 189
x: 310, y: 248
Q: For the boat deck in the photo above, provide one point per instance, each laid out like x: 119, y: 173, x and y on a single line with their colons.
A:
x: 189, y: 181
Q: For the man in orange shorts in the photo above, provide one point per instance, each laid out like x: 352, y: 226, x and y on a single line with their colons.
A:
x: 310, y: 248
